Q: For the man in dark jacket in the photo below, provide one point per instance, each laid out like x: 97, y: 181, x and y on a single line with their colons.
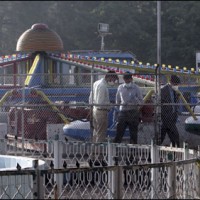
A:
x: 169, y: 113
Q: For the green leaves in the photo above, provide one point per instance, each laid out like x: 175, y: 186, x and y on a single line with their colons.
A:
x: 133, y: 25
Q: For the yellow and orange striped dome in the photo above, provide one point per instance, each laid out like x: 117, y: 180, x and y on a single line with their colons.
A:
x: 39, y: 38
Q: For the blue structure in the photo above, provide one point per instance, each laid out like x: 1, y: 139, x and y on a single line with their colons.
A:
x: 45, y: 67
x: 114, y: 54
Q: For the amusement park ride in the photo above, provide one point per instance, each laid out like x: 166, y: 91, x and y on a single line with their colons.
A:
x: 41, y: 74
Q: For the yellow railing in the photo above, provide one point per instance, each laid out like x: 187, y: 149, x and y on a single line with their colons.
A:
x: 32, y: 70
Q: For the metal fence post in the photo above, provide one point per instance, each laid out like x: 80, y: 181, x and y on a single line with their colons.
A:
x: 38, y: 190
x: 153, y: 170
x: 197, y: 181
x: 118, y: 182
x: 3, y: 141
x: 197, y: 170
x: 16, y: 129
x: 186, y: 151
x: 172, y: 181
x: 110, y: 173
x: 23, y: 118
x: 58, y: 148
x: 186, y: 170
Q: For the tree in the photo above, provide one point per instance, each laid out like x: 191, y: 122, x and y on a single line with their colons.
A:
x: 133, y: 25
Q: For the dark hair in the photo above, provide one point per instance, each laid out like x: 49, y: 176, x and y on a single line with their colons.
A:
x: 111, y: 74
x: 127, y: 75
x: 175, y: 79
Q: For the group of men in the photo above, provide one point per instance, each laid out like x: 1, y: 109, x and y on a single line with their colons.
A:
x: 128, y: 102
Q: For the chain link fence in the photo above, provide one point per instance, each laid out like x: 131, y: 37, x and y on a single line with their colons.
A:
x: 32, y: 120
x: 63, y: 98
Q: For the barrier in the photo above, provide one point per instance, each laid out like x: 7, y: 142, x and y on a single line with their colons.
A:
x: 16, y: 186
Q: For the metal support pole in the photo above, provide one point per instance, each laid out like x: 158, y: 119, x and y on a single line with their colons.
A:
x: 3, y: 140
x: 153, y: 170
x: 23, y: 118
x: 197, y: 182
x: 110, y: 173
x: 158, y: 74
x: 38, y: 191
x: 91, y: 106
x: 118, y: 183
x: 58, y: 163
x: 197, y: 170
x: 157, y: 121
x: 172, y: 181
x: 159, y: 32
x: 102, y: 35
x: 185, y: 171
x: 15, y: 73
x: 102, y: 42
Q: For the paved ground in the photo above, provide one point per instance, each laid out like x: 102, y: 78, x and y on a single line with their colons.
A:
x: 146, y: 133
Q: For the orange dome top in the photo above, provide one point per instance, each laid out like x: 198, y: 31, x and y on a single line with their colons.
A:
x: 39, y: 38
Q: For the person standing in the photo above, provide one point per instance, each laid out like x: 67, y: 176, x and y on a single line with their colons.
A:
x: 100, y: 98
x: 169, y: 113
x: 128, y: 98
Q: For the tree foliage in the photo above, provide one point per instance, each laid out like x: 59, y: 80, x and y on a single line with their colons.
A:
x: 133, y: 25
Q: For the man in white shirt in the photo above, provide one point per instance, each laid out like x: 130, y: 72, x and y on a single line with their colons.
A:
x: 99, y: 97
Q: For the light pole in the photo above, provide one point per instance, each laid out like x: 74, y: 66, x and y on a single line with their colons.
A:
x: 103, y: 30
x: 158, y: 74
x: 159, y: 33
